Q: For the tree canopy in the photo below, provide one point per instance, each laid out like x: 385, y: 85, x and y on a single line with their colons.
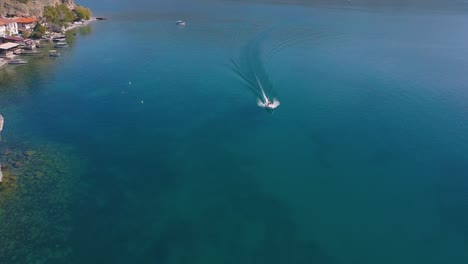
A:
x: 58, y: 15
x: 38, y: 31
x: 83, y: 13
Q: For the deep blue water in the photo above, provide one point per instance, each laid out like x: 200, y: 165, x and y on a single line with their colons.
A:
x: 365, y: 161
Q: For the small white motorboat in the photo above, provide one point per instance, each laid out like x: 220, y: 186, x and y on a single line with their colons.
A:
x: 269, y: 104
x: 1, y: 123
x: 180, y: 23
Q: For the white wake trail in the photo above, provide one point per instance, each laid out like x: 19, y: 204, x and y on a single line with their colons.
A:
x: 266, y: 103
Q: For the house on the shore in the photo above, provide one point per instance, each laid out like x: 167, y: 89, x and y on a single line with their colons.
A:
x: 8, y: 27
x: 25, y: 23
x: 18, y: 40
x: 2, y: 29
x: 7, y: 50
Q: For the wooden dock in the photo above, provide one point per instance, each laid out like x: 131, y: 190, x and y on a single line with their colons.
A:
x: 30, y: 53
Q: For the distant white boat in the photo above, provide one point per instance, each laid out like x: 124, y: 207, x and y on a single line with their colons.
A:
x: 269, y: 104
x: 1, y: 123
x: 180, y: 23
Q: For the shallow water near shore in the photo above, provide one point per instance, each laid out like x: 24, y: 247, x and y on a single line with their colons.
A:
x: 172, y: 161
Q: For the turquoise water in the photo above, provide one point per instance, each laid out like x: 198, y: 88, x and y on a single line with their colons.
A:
x: 365, y: 161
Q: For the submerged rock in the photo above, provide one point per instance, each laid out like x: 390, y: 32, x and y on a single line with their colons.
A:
x: 29, y: 153
x: 6, y: 152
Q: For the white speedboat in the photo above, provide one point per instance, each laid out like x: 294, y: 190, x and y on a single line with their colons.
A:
x: 269, y: 104
x: 180, y: 23
x: 1, y: 122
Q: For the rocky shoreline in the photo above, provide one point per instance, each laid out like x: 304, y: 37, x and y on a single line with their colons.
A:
x: 84, y: 23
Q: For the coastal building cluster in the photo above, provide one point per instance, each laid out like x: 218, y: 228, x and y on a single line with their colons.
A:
x: 13, y: 40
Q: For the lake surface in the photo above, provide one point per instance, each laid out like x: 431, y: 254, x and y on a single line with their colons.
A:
x: 364, y: 161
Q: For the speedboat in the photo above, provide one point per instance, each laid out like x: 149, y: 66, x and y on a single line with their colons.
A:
x: 269, y: 104
x: 266, y: 103
x: 1, y: 122
x: 18, y: 61
x: 180, y: 23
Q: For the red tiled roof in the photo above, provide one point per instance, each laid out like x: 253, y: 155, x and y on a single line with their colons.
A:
x: 25, y: 20
x: 12, y: 38
x: 5, y: 21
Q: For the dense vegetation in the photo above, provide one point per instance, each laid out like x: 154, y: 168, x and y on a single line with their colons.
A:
x: 38, y: 31
x: 59, y: 15
x: 83, y: 13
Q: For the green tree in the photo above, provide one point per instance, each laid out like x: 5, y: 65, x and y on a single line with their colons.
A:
x: 59, y: 15
x: 83, y: 13
x: 66, y: 15
x: 38, y: 31
x: 26, y: 33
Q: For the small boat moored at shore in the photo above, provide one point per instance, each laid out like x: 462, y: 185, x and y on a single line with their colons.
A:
x: 54, y: 53
x: 18, y: 61
x: 180, y: 23
x: 59, y: 40
x: 61, y: 44
x: 57, y: 36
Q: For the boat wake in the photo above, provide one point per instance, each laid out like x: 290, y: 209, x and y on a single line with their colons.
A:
x: 250, y: 69
x: 266, y: 103
x: 249, y: 66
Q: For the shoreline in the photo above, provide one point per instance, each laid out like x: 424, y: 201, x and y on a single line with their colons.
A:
x: 48, y: 38
x: 85, y: 23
